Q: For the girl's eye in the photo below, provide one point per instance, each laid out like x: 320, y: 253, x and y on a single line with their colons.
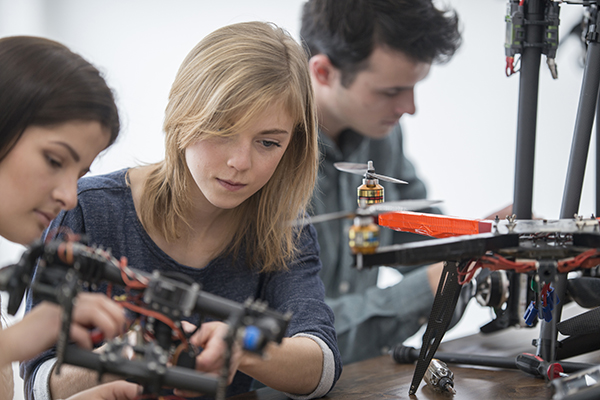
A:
x: 269, y: 143
x: 53, y: 162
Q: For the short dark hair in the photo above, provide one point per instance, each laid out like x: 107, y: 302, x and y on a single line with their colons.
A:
x: 44, y: 83
x: 347, y: 31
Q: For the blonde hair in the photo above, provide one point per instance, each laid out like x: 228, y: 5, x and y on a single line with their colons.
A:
x: 228, y: 79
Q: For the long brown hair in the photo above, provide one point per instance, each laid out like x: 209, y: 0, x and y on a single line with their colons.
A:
x: 232, y: 75
x: 44, y: 83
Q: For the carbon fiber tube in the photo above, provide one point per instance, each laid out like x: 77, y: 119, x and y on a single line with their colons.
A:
x: 527, y: 111
x: 138, y: 371
x: 407, y: 355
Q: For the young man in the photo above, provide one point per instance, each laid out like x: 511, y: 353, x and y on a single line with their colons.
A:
x: 366, y: 56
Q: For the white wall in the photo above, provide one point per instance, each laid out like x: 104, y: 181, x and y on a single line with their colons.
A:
x: 462, y: 138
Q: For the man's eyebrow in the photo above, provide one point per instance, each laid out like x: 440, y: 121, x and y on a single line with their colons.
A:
x: 70, y: 149
x: 396, y: 88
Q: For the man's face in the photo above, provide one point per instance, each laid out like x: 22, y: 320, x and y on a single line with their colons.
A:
x: 379, y: 95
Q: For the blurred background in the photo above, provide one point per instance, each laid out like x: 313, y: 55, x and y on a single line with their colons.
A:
x: 462, y: 138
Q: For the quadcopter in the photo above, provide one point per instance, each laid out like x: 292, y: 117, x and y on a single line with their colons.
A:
x: 534, y: 250
x: 162, y: 353
x: 518, y: 261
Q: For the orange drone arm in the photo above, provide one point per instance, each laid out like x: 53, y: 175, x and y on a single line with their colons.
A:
x: 434, y: 225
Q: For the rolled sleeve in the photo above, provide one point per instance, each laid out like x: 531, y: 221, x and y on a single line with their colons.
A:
x: 327, y: 374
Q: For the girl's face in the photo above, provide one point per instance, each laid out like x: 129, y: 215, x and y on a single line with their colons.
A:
x: 228, y: 170
x: 38, y: 177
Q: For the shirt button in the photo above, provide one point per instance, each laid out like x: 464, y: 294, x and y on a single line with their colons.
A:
x: 344, y: 287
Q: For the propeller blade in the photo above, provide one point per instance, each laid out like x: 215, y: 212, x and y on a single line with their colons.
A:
x: 353, y: 168
x: 386, y: 178
x: 363, y: 170
x: 403, y: 205
x: 324, y: 218
x: 400, y: 205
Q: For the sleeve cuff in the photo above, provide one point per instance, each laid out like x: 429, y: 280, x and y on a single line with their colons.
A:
x: 41, y: 383
x: 327, y: 375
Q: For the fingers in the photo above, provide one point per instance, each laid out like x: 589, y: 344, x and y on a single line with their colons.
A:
x: 236, y: 358
x: 118, y: 390
x: 39, y: 329
x: 210, y: 338
x: 95, y: 310
x: 121, y: 390
x: 187, y: 327
x: 210, y: 361
x: 81, y: 336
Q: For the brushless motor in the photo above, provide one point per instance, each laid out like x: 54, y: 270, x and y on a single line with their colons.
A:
x: 371, y: 192
x: 439, y: 377
x: 363, y: 236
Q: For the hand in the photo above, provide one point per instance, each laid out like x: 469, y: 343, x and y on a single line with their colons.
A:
x: 210, y: 337
x: 118, y: 390
x: 95, y: 310
x: 40, y: 328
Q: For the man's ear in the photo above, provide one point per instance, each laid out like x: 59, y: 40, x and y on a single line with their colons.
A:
x: 322, y: 70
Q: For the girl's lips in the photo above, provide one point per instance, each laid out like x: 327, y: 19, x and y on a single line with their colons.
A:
x: 232, y: 186
x: 44, y: 217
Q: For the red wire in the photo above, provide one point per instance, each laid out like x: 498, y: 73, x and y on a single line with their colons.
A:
x: 544, y: 294
x: 72, y: 237
x: 158, y: 316
x: 587, y: 259
x: 65, y: 253
x: 466, y: 275
x: 134, y: 282
x: 493, y: 261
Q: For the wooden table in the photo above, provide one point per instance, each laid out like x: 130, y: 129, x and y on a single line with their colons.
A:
x: 382, y: 378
